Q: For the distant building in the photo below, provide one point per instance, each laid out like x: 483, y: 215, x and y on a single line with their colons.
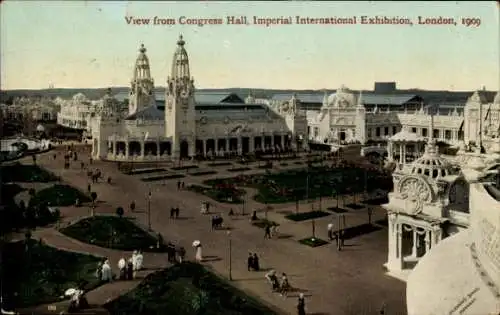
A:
x: 187, y: 123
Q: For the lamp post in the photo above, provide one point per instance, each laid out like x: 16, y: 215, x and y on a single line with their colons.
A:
x: 243, y: 204
x: 149, y: 210
x: 230, y: 256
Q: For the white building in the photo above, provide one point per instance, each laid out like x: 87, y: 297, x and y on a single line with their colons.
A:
x: 190, y: 123
x: 38, y: 109
x: 77, y: 112
x: 444, y: 219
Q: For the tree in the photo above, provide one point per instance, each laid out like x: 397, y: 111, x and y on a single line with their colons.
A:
x: 120, y: 212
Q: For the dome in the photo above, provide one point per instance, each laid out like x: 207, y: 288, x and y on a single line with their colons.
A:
x: 332, y: 98
x: 342, y: 98
x: 79, y: 97
x: 432, y: 165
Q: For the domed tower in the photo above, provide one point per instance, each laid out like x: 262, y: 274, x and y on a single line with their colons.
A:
x: 141, y: 93
x: 180, y: 122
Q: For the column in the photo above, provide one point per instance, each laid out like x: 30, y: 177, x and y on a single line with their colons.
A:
x: 204, y: 147
x: 401, y: 152
x: 404, y: 152
x: 251, y: 143
x: 415, y: 240
x: 158, y: 154
x: 428, y: 236
x: 240, y: 145
x: 228, y: 144
x: 391, y: 251
x: 127, y: 149
x: 272, y: 141
x: 400, y: 247
x: 143, y: 148
x: 437, y: 236
x: 390, y: 154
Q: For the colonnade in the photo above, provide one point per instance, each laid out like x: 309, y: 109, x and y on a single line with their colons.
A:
x: 423, y: 237
x: 118, y: 149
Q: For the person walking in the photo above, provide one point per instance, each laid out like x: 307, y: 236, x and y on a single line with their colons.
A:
x: 285, y: 285
x: 330, y: 231
x: 267, y: 233
x: 182, y: 254
x: 301, y: 305
x: 256, y: 265
x: 250, y: 262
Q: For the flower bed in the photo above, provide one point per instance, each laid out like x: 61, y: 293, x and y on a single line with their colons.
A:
x: 313, y: 242
x: 162, y: 177
x: 355, y: 206
x: 181, y: 168
x: 307, y: 215
x: 202, y: 173
x: 337, y: 210
x: 214, y: 164
x: 225, y: 193
x: 238, y: 169
x: 40, y: 274
x: 141, y: 171
x: 185, y: 289
x: 59, y: 196
x: 18, y: 172
x: 111, y: 232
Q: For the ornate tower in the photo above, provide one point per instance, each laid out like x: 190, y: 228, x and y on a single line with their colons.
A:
x: 180, y: 105
x: 141, y: 87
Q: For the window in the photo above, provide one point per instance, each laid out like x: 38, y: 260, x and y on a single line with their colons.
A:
x: 316, y: 131
x: 447, y: 134
x: 369, y: 132
x: 386, y: 131
x: 426, y: 172
x: 435, y: 133
x: 394, y: 130
x: 460, y: 135
x: 435, y: 173
x: 414, y: 130
x: 377, y: 132
x: 424, y: 132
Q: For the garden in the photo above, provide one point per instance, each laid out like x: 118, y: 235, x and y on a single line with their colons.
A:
x: 221, y: 192
x: 112, y: 232
x: 59, y: 196
x: 162, y: 177
x: 39, y: 274
x: 308, y: 183
x: 302, y: 216
x: 203, y: 173
x: 22, y: 173
x: 186, y: 289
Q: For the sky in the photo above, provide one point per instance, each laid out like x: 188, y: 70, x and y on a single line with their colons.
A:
x: 89, y: 44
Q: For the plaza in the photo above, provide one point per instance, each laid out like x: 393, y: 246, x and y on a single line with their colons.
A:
x: 359, y: 286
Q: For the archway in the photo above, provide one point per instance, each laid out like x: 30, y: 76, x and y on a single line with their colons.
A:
x: 342, y: 136
x: 184, y: 147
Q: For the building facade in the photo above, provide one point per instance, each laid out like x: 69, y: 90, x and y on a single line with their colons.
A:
x: 190, y: 123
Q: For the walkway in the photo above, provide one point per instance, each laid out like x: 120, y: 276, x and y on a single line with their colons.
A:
x: 347, y: 282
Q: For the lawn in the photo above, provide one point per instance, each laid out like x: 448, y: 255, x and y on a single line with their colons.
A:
x: 40, y: 274
x: 238, y: 169
x: 186, y: 289
x: 162, y: 177
x: 203, y: 173
x: 308, y: 183
x: 306, y: 215
x: 59, y: 196
x: 18, y: 172
x: 215, y: 164
x: 183, y: 168
x: 220, y: 193
x: 111, y: 232
x: 313, y: 242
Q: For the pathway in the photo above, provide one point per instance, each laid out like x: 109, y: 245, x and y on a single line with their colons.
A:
x: 347, y: 282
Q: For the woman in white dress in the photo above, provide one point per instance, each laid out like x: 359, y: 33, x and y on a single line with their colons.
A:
x: 106, y: 271
x: 199, y: 256
x: 139, y: 260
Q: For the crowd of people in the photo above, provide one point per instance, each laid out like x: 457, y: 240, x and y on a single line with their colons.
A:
x: 127, y: 268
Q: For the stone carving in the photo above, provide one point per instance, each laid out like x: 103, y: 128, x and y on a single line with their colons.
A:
x: 203, y: 120
x: 226, y: 120
x: 415, y: 192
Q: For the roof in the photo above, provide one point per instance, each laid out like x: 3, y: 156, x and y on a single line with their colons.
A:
x: 389, y: 99
x: 302, y: 97
x: 200, y: 97
x: 405, y: 135
x: 148, y: 113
